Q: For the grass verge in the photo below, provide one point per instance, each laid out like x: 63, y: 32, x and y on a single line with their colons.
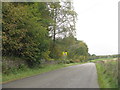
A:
x: 107, y: 74
x: 31, y: 72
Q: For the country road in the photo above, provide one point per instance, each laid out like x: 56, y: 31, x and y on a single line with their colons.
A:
x: 78, y: 76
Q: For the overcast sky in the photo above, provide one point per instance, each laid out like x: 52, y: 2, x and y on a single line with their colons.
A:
x: 97, y: 25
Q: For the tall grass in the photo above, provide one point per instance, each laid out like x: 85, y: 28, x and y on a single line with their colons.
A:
x: 108, y: 74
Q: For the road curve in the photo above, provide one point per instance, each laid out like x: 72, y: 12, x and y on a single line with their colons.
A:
x: 78, y: 76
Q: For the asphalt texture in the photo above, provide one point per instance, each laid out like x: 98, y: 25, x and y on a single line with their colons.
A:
x: 78, y: 76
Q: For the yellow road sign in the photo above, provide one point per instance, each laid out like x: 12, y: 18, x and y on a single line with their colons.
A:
x: 64, y: 53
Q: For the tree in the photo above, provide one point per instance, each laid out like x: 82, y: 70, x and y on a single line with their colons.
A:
x: 78, y: 51
x: 25, y: 30
x: 64, y: 18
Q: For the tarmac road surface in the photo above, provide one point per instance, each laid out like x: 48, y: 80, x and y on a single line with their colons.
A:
x: 78, y: 76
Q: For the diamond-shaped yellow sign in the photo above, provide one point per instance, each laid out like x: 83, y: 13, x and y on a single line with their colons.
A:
x: 64, y: 53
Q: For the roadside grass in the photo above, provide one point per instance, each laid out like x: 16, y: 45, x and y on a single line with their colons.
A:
x: 107, y: 74
x: 19, y: 74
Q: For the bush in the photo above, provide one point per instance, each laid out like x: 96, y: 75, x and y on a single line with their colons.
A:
x: 67, y: 61
x: 5, y: 69
x: 71, y: 61
x: 23, y: 67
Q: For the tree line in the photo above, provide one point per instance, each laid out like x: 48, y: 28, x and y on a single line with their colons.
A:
x: 40, y: 30
x: 93, y: 56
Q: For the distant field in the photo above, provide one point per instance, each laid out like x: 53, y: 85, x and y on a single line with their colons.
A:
x: 101, y: 59
x: 108, y: 74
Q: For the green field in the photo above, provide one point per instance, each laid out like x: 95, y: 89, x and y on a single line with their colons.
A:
x: 101, y: 59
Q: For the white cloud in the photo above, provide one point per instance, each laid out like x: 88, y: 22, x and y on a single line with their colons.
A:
x: 97, y: 25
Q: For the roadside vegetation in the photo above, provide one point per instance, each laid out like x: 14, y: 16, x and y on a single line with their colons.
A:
x: 107, y: 73
x: 35, y: 33
x: 24, y: 71
x: 107, y: 70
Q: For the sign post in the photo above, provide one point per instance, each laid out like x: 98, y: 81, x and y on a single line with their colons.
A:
x: 65, y: 53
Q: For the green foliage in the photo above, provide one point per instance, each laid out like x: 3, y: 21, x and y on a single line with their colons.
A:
x: 25, y: 30
x: 77, y: 50
x: 40, y: 31
x: 64, y: 18
x: 13, y: 70
x: 45, y: 55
